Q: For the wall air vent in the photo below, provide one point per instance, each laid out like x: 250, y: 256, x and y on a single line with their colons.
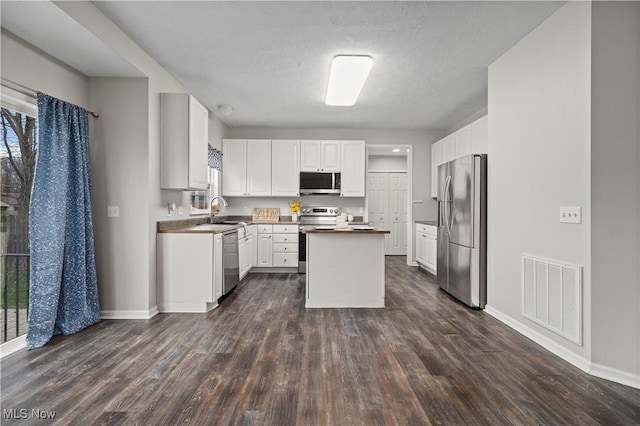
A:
x: 552, y: 296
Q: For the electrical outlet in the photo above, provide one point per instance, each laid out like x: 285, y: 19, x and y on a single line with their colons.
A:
x: 180, y: 211
x: 361, y: 210
x: 113, y: 211
x: 348, y: 209
x: 246, y: 209
x: 570, y: 214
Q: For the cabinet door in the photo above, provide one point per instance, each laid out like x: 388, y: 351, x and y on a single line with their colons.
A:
x: 449, y: 147
x: 310, y: 156
x: 437, y: 153
x: 265, y: 251
x: 198, y: 145
x: 352, y: 174
x: 234, y: 167
x: 253, y: 242
x: 285, y: 168
x: 217, y: 268
x: 480, y: 136
x: 431, y: 256
x: 463, y: 142
x: 242, y: 257
x: 330, y: 156
x: 421, y: 248
x: 258, y: 167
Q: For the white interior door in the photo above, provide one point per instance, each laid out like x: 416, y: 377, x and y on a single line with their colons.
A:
x: 387, y: 207
x: 397, y: 199
x: 377, y: 199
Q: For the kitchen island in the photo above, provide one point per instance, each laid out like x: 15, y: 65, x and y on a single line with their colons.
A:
x: 345, y: 268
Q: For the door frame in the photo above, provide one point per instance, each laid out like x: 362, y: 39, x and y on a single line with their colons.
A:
x: 408, y: 150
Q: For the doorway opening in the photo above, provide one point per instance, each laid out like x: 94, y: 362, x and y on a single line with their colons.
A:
x: 389, y: 195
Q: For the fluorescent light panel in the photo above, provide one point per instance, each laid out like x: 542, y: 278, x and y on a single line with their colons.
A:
x: 346, y: 78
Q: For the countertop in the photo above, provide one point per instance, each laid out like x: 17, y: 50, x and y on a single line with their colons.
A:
x: 428, y: 222
x: 201, y: 225
x: 349, y: 230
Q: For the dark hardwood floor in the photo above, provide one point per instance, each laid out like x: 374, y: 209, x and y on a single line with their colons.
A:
x: 262, y: 358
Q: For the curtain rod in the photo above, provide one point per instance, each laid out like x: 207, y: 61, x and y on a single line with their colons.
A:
x: 27, y: 91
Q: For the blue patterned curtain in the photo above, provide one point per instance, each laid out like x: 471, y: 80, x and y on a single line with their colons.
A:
x: 215, y: 158
x: 63, y: 295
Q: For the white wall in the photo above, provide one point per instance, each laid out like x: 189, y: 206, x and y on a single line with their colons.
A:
x: 120, y: 168
x: 34, y: 69
x: 420, y: 140
x: 159, y: 80
x: 387, y: 163
x: 539, y: 160
x: 615, y: 181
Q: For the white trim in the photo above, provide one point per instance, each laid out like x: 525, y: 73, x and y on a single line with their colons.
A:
x: 13, y: 345
x: 550, y: 345
x: 17, y: 101
x: 117, y: 314
x: 409, y: 171
x: 187, y: 307
x: 615, y: 375
x: 412, y: 263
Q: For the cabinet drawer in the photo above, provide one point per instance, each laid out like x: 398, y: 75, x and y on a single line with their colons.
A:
x: 285, y: 238
x: 431, y: 231
x: 265, y: 229
x: 285, y: 229
x: 285, y: 259
x: 421, y: 228
x: 285, y: 248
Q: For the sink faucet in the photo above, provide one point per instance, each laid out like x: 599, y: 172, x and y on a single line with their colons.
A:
x: 224, y: 204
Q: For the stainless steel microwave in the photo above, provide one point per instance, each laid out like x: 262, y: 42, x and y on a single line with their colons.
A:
x: 319, y: 183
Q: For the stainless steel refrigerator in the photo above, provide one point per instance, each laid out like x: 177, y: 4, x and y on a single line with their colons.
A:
x: 462, y: 229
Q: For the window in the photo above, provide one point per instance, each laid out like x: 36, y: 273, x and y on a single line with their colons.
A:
x: 200, y: 199
x: 19, y: 129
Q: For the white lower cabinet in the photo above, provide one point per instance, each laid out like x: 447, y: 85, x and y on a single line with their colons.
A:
x: 265, y: 250
x: 244, y: 252
x: 427, y: 247
x: 285, y: 246
x: 189, y: 272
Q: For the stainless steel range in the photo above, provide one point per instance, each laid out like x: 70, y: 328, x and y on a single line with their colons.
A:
x: 310, y: 217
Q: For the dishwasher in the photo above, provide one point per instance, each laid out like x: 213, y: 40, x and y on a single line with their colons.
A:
x: 230, y: 261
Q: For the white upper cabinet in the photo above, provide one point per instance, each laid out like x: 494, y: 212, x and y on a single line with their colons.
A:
x: 258, y: 167
x: 246, y: 167
x: 471, y: 139
x: 352, y: 172
x: 480, y: 135
x: 437, y: 158
x: 234, y: 167
x: 184, y: 131
x: 320, y: 156
x: 449, y: 148
x: 463, y: 142
x: 285, y: 168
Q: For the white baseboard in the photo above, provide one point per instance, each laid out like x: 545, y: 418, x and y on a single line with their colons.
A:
x: 118, y: 314
x: 597, y: 370
x: 550, y: 345
x: 615, y: 375
x: 13, y: 345
x: 412, y: 263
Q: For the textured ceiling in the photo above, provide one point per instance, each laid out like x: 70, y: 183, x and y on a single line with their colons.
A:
x: 270, y: 60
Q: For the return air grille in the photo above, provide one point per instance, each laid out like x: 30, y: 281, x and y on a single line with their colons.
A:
x: 552, y: 296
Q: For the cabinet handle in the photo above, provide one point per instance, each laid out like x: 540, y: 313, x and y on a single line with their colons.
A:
x: 285, y: 260
x: 285, y: 249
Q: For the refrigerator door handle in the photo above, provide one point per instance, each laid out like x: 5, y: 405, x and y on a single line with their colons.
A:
x: 446, y: 207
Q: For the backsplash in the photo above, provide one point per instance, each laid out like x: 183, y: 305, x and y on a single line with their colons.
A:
x: 237, y: 205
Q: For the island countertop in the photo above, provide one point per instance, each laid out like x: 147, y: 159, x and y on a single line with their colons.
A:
x: 346, y: 231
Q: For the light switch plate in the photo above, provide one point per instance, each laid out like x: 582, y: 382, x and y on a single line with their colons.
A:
x: 113, y: 211
x: 570, y: 214
x: 180, y: 210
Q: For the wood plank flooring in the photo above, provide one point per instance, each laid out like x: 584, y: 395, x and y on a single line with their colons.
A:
x: 261, y: 358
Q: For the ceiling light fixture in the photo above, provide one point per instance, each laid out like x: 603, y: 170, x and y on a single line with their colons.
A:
x: 224, y: 110
x: 346, y: 78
